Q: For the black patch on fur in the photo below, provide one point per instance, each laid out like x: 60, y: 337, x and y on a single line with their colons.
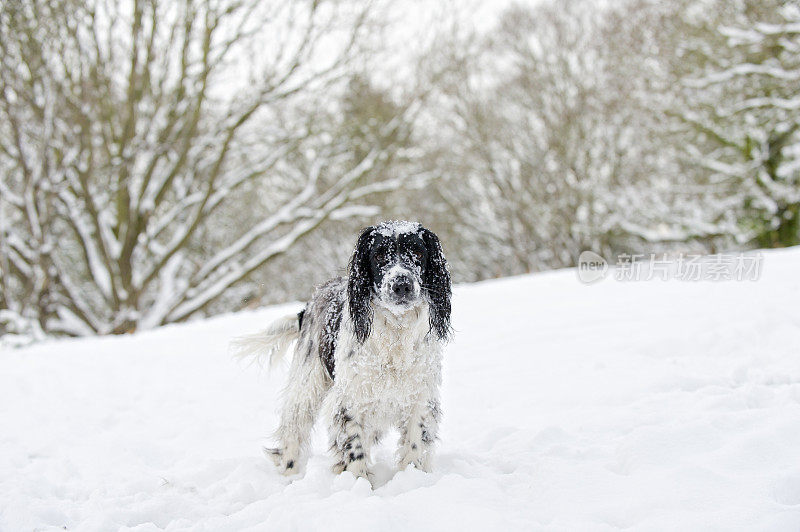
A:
x: 435, y: 409
x: 413, y: 446
x: 290, y: 464
x: 342, y: 418
x: 360, y: 285
x: 436, y: 284
x: 328, y: 361
x: 350, y: 441
x: 333, y: 321
x: 300, y: 319
x: 426, y: 437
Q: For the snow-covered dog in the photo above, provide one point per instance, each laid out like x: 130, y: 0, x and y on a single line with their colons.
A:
x: 368, y: 352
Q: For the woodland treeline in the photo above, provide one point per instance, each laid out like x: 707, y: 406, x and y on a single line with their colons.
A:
x: 162, y: 160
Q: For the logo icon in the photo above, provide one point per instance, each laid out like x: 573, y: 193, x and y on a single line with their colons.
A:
x: 591, y: 267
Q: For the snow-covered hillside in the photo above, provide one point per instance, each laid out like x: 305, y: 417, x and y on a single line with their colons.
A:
x: 646, y: 405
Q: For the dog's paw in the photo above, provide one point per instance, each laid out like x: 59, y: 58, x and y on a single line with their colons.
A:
x: 413, y: 457
x: 286, y: 463
x: 358, y: 468
x: 273, y: 453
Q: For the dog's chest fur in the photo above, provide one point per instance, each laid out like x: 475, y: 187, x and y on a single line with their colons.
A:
x: 397, y: 365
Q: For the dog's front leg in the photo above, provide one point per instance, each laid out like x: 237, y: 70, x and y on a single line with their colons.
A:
x: 418, y: 436
x: 349, y: 443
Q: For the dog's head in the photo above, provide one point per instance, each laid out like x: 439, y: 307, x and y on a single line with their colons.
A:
x: 398, y: 265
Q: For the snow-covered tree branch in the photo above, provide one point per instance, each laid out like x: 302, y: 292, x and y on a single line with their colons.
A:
x: 734, y: 95
x: 128, y: 126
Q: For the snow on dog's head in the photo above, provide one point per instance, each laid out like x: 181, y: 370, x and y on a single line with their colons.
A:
x: 398, y: 265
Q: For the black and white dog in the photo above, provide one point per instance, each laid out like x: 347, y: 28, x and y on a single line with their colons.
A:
x: 368, y: 352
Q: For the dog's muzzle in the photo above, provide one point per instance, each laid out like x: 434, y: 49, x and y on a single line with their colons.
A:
x: 400, y: 288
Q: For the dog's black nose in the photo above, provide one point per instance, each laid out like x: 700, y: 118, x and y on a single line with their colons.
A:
x: 402, y: 286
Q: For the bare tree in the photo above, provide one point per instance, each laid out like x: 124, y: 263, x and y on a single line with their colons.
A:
x: 549, y: 157
x: 128, y: 127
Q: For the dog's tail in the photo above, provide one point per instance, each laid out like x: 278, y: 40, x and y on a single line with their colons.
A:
x: 270, y: 344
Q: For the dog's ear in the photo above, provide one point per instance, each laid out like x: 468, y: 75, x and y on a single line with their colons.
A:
x: 359, y: 285
x: 436, y: 283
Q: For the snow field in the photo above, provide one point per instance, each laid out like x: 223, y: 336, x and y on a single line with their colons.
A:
x: 645, y: 405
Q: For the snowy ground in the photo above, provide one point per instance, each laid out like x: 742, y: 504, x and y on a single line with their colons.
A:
x: 645, y: 405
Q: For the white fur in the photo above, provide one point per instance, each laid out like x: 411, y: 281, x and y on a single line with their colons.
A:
x: 271, y: 343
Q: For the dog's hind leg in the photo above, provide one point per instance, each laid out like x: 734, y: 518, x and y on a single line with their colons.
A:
x: 308, y: 383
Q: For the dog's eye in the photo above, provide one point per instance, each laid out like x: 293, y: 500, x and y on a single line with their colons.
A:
x: 381, y: 256
x: 416, y: 254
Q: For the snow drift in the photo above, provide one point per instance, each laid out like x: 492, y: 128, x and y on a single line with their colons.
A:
x: 652, y: 405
